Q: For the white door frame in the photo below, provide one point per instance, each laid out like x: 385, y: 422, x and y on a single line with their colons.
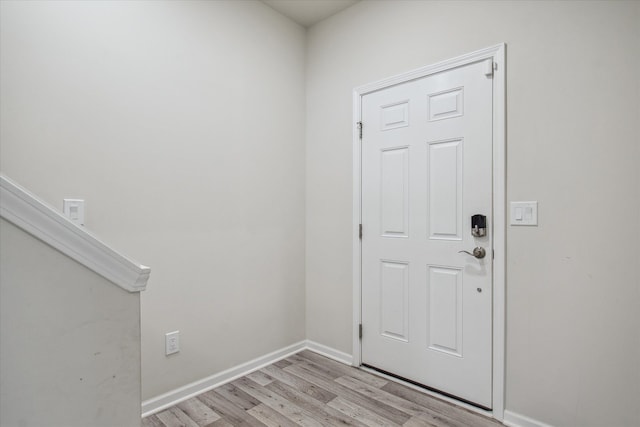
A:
x: 497, y: 53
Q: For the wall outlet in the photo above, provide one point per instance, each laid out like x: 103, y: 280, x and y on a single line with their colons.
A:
x: 172, y: 342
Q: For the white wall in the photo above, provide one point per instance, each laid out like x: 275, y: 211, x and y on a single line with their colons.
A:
x: 69, y: 340
x: 573, y: 312
x: 181, y: 124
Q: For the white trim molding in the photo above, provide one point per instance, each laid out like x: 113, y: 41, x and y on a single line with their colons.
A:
x: 188, y: 391
x: 498, y: 54
x: 513, y: 419
x: 329, y: 352
x: 26, y: 211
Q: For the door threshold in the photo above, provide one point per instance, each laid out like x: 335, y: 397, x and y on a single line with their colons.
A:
x: 449, y: 398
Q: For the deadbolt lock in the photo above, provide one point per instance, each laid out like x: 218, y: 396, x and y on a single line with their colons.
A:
x: 479, y: 225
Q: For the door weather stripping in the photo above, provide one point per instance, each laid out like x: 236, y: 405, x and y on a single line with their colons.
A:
x: 359, y: 126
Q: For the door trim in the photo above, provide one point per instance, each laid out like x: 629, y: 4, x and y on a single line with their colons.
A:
x: 497, y: 53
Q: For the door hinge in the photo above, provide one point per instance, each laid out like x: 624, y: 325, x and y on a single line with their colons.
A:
x: 360, y: 231
x: 359, y: 126
x: 360, y: 331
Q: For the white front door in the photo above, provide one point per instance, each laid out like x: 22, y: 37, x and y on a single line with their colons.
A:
x: 426, y: 170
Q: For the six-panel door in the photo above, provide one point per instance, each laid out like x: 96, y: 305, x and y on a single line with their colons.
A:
x: 426, y: 169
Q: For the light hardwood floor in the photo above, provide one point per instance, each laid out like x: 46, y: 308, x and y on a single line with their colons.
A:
x: 311, y: 390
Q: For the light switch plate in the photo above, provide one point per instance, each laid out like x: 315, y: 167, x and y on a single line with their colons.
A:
x: 74, y: 210
x: 524, y: 213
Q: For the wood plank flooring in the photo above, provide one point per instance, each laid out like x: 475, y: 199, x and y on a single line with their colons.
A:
x: 310, y: 390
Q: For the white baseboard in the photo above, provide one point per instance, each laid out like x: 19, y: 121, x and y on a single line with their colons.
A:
x: 329, y: 352
x: 167, y: 400
x: 513, y: 419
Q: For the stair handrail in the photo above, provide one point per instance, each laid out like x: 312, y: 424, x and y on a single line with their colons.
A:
x: 36, y: 217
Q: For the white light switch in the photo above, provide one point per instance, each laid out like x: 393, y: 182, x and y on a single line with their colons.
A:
x: 74, y: 210
x: 518, y: 214
x: 524, y: 213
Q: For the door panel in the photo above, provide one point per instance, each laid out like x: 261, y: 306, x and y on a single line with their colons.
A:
x: 394, y: 192
x: 394, y: 313
x: 445, y: 189
x: 426, y: 169
x: 445, y: 310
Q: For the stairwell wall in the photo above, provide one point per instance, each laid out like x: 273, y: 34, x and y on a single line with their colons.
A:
x: 181, y: 124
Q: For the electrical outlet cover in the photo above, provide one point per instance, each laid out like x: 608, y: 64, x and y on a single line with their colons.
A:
x: 172, y: 342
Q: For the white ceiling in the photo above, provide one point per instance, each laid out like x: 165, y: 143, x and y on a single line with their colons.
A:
x: 308, y: 12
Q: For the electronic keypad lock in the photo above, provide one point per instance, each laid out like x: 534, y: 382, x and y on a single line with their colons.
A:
x: 479, y: 225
